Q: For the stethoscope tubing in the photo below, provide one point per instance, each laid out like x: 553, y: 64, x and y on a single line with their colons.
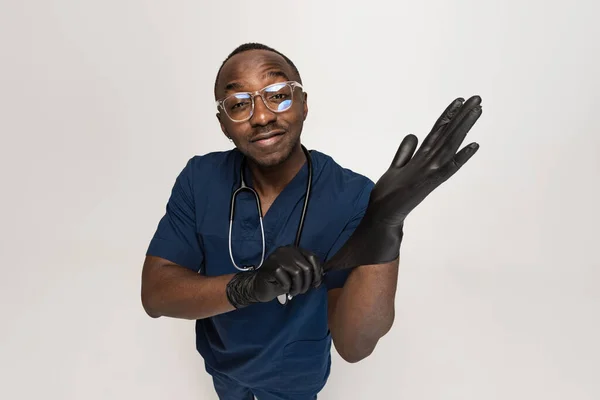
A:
x: 283, y: 299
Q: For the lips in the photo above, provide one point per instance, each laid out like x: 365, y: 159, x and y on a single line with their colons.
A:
x: 268, y: 135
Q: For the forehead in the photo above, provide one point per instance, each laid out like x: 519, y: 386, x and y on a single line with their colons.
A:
x: 252, y: 70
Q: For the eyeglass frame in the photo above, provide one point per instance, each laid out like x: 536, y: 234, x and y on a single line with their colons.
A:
x: 260, y: 92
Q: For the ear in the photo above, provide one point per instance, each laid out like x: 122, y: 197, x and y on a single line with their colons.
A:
x: 222, y: 126
x: 305, y: 105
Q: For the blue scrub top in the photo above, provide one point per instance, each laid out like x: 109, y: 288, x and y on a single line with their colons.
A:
x: 264, y: 345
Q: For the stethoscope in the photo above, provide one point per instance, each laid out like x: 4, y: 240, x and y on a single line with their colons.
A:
x: 283, y: 299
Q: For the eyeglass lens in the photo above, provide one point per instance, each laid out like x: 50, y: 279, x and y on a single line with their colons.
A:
x: 277, y: 98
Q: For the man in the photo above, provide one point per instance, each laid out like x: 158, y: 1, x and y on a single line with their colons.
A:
x: 341, y: 277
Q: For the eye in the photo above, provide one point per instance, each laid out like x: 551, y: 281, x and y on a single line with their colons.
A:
x: 278, y: 96
x: 238, y: 105
x: 237, y: 102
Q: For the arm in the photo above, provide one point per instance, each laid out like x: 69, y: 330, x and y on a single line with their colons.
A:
x: 174, y: 291
x: 361, y: 307
x: 171, y: 290
x: 171, y: 281
x: 362, y: 312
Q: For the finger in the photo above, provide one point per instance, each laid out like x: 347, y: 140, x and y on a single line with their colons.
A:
x: 448, y: 113
x: 460, y: 159
x: 457, y: 136
x: 471, y: 103
x: 454, y: 133
x: 316, y: 266
x: 405, y: 151
x: 307, y: 275
x: 437, y: 129
x: 465, y: 154
x: 295, y: 273
x: 283, y: 280
x: 460, y: 132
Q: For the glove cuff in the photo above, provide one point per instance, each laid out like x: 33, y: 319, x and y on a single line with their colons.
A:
x: 371, y: 243
x: 239, y: 289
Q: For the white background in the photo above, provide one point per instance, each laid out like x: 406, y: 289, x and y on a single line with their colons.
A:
x: 102, y: 103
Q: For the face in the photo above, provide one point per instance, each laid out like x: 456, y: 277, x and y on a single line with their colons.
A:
x: 267, y: 138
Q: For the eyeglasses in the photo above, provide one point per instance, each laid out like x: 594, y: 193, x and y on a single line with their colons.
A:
x: 278, y: 97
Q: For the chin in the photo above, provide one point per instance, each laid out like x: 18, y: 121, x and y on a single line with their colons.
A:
x: 271, y: 158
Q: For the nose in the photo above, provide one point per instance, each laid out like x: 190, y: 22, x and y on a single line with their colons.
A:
x: 262, y: 116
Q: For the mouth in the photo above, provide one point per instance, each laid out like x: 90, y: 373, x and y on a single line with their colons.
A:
x: 267, y: 136
x: 268, y: 139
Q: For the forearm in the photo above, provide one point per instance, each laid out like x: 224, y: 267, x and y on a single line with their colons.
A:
x: 364, y: 311
x: 173, y: 291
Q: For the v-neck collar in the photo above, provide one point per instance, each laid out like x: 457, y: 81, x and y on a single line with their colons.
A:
x: 289, y: 190
x: 279, y: 211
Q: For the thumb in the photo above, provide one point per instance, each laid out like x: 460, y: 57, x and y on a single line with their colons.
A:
x: 405, y: 151
x: 316, y: 264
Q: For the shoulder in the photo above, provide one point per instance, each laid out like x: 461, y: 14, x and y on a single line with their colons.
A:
x: 210, y: 165
x: 213, y: 161
x: 339, y: 181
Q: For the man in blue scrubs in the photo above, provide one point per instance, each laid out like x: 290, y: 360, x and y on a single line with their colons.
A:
x: 252, y: 345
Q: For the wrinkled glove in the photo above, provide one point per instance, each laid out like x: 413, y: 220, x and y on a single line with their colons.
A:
x: 405, y: 185
x: 288, y: 270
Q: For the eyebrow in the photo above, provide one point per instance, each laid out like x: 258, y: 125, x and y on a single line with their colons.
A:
x: 233, y: 86
x: 275, y: 74
x: 236, y: 86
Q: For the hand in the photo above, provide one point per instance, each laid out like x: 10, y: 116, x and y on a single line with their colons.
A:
x: 288, y: 269
x: 410, y: 179
x: 407, y: 182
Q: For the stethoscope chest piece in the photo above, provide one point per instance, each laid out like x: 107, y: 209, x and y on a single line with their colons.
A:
x: 283, y: 298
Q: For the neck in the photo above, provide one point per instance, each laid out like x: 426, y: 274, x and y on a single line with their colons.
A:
x: 269, y: 182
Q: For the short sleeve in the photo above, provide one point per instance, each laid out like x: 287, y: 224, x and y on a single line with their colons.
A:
x: 175, y: 238
x: 337, y: 279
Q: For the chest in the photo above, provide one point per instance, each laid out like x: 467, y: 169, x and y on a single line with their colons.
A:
x: 265, y: 203
x: 249, y: 237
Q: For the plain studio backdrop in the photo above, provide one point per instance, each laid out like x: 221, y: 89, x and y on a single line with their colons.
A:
x: 102, y: 103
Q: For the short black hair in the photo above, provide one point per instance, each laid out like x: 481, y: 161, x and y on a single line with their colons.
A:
x: 256, y: 46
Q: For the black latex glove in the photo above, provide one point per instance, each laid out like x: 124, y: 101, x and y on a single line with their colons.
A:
x: 406, y: 183
x: 288, y: 269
